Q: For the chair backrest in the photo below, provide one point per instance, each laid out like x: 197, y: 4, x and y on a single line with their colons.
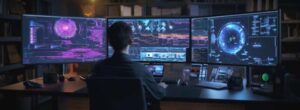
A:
x: 116, y: 94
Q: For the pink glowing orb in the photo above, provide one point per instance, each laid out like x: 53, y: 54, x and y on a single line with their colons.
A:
x: 65, y: 28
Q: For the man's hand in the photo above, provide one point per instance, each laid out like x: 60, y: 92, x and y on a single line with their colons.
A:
x: 162, y: 84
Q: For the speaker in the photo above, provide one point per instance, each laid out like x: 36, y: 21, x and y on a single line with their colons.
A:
x: 235, y: 83
x: 50, y: 78
x: 291, y: 86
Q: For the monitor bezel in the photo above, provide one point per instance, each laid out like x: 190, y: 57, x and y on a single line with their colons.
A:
x: 155, y: 17
x: 61, y: 62
x: 236, y: 14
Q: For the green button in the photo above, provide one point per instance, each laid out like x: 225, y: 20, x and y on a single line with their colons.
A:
x: 265, y: 77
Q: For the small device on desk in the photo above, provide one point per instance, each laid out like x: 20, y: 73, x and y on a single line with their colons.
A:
x: 157, y: 70
x: 262, y: 80
x: 71, y: 79
x: 211, y: 85
x: 31, y: 85
x: 83, y: 77
x: 235, y: 83
x: 50, y: 78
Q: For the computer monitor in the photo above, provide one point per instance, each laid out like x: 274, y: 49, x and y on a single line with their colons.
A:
x: 241, y: 39
x: 157, y: 39
x: 60, y: 39
x: 157, y: 70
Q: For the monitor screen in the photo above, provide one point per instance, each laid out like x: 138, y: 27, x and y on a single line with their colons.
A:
x: 155, y: 69
x: 157, y: 39
x: 56, y: 39
x: 242, y: 39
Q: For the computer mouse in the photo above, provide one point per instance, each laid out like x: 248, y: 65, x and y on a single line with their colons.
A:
x: 31, y: 84
x: 71, y: 79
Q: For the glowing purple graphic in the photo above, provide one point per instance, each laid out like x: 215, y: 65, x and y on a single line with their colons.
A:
x: 96, y: 36
x: 79, y: 53
x: 96, y: 32
x: 65, y: 28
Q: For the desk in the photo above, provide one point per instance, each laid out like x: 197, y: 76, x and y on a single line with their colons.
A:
x: 198, y: 94
x: 173, y: 92
x: 66, y: 88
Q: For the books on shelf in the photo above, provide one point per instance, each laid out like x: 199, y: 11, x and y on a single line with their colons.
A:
x: 1, y: 55
x: 138, y: 10
x: 125, y: 10
x: 1, y: 7
x: 113, y: 11
x: 194, y: 10
x: 13, y: 54
x: 155, y: 11
x: 166, y: 11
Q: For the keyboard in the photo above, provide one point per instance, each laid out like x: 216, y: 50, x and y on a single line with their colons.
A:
x: 211, y: 85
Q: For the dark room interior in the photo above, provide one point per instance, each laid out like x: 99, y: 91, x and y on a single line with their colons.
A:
x: 196, y: 54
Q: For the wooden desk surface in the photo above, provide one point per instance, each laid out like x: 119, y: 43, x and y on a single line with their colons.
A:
x: 173, y: 92
x: 60, y: 88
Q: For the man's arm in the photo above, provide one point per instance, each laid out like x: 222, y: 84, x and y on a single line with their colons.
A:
x: 156, y: 91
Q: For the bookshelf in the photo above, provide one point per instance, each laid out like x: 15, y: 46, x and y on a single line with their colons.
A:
x: 176, y: 8
x: 11, y: 68
x: 290, y: 25
x: 216, y: 7
x: 10, y: 17
x: 10, y: 39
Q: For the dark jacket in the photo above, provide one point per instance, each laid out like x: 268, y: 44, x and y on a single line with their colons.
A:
x: 120, y: 65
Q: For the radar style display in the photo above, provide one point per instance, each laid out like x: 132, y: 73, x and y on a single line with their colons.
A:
x: 157, y: 39
x: 244, y: 39
x: 54, y: 39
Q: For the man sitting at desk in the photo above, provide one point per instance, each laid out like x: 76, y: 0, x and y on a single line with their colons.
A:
x: 119, y: 65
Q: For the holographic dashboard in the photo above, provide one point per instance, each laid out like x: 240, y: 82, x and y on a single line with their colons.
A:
x: 157, y: 39
x: 56, y: 39
x: 242, y: 39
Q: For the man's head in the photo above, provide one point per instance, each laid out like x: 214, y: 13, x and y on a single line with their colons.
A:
x: 119, y: 36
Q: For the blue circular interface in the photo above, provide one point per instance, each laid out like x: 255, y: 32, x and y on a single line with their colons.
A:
x: 232, y: 38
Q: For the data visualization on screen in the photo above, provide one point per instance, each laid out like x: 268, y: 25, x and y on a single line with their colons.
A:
x: 243, y: 39
x: 55, y: 39
x: 157, y: 39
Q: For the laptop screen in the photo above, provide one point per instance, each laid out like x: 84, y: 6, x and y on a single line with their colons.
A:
x: 156, y: 70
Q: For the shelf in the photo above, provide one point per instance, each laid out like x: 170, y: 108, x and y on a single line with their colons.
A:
x: 209, y: 3
x: 291, y: 40
x: 11, y: 39
x: 291, y: 22
x: 12, y: 67
x: 116, y: 4
x: 10, y: 17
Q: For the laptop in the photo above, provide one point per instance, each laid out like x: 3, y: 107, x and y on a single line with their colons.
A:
x: 157, y: 70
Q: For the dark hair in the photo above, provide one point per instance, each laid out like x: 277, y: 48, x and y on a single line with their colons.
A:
x: 119, y: 35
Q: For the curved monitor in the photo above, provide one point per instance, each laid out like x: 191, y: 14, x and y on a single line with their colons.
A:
x: 157, y: 39
x: 241, y: 39
x: 59, y: 39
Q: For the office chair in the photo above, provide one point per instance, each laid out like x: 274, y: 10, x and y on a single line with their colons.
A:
x: 116, y: 94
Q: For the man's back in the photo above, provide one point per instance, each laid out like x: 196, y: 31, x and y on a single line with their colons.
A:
x: 119, y: 65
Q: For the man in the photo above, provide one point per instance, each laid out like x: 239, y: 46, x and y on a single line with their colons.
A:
x: 119, y: 65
